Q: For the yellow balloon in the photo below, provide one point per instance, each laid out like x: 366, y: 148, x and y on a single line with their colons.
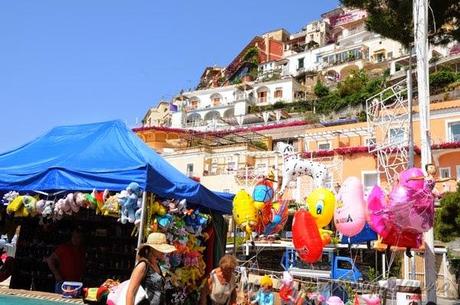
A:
x: 321, y: 203
x: 244, y: 210
x: 259, y: 204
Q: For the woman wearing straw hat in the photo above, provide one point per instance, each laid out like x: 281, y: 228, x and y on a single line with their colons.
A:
x: 147, y: 271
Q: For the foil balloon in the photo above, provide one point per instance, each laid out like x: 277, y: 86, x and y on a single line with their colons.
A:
x: 411, y: 210
x: 404, y: 178
x: 306, y: 238
x: 244, y: 212
x: 377, y: 209
x: 320, y: 204
x: 350, y: 214
x: 263, y: 193
x: 279, y: 215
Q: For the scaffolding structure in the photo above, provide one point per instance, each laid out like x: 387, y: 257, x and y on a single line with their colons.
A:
x: 388, y: 122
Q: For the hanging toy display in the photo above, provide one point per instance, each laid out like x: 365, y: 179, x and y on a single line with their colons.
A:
x: 276, y: 216
x: 184, y: 229
x: 350, y: 215
x: 320, y: 204
x: 306, y: 238
x: 371, y: 299
x: 287, y: 293
x: 263, y: 193
x: 265, y: 294
x: 244, y: 212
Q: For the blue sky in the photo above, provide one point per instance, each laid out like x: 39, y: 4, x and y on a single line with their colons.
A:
x: 81, y: 61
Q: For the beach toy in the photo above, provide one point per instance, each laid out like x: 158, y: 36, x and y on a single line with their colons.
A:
x: 71, y: 289
x: 350, y: 215
x: 306, y: 238
x: 244, y: 212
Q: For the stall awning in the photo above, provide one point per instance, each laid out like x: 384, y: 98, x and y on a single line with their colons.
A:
x: 105, y: 155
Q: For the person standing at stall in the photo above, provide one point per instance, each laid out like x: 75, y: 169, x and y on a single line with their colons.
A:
x: 67, y: 262
x: 221, y: 284
x: 147, y: 272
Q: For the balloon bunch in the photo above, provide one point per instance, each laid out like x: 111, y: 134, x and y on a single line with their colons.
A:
x: 259, y: 213
x: 406, y: 213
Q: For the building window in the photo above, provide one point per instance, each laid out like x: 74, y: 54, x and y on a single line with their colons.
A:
x: 262, y: 96
x: 190, y: 169
x: 216, y: 101
x: 457, y: 169
x: 444, y: 172
x: 454, y: 132
x: 396, y: 135
x: 194, y: 104
x: 371, y: 142
x: 231, y: 166
x: 279, y: 93
x: 324, y: 146
x: 214, y: 169
x: 370, y: 179
x: 300, y: 63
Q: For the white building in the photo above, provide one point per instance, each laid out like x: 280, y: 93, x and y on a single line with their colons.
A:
x: 208, y: 108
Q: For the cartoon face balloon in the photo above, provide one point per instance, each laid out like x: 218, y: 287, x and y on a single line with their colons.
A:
x: 320, y: 204
x: 349, y: 214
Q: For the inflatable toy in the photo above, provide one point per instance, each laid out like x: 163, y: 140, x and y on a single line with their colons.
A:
x: 366, y: 235
x: 293, y: 167
x: 320, y: 204
x: 244, y: 212
x: 287, y: 291
x: 306, y: 238
x: 278, y: 216
x: 405, y: 176
x: 263, y: 193
x: 377, y: 209
x: 350, y: 215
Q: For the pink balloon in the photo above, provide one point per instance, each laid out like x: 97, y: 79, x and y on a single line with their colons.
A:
x: 411, y: 210
x: 409, y: 173
x: 349, y: 214
x: 377, y: 208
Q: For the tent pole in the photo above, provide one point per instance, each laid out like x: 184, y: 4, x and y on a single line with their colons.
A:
x: 142, y: 224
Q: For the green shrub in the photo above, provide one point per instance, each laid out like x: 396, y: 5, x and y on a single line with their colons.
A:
x: 441, y: 79
x: 321, y: 90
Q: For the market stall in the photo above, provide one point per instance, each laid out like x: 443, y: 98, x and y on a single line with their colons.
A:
x: 61, y: 178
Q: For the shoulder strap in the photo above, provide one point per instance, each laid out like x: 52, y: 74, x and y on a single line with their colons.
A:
x: 147, y: 265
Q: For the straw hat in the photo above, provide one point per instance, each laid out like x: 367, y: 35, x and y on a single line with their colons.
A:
x: 158, y: 242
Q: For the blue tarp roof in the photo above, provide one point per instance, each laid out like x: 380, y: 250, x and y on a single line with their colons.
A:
x: 105, y: 155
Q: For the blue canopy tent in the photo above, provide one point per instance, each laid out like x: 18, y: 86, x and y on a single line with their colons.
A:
x: 105, y: 155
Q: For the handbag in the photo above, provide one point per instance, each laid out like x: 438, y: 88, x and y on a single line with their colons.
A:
x: 118, y: 297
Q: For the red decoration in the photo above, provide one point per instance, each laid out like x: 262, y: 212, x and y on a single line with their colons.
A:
x: 306, y: 238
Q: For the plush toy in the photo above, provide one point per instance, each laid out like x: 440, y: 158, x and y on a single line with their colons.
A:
x: 70, y: 202
x: 287, y: 291
x: 111, y: 207
x: 265, y: 294
x: 30, y: 204
x: 128, y: 201
x: 81, y: 201
x: 17, y: 208
x: 8, y: 197
x: 195, y: 222
x: 48, y: 209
